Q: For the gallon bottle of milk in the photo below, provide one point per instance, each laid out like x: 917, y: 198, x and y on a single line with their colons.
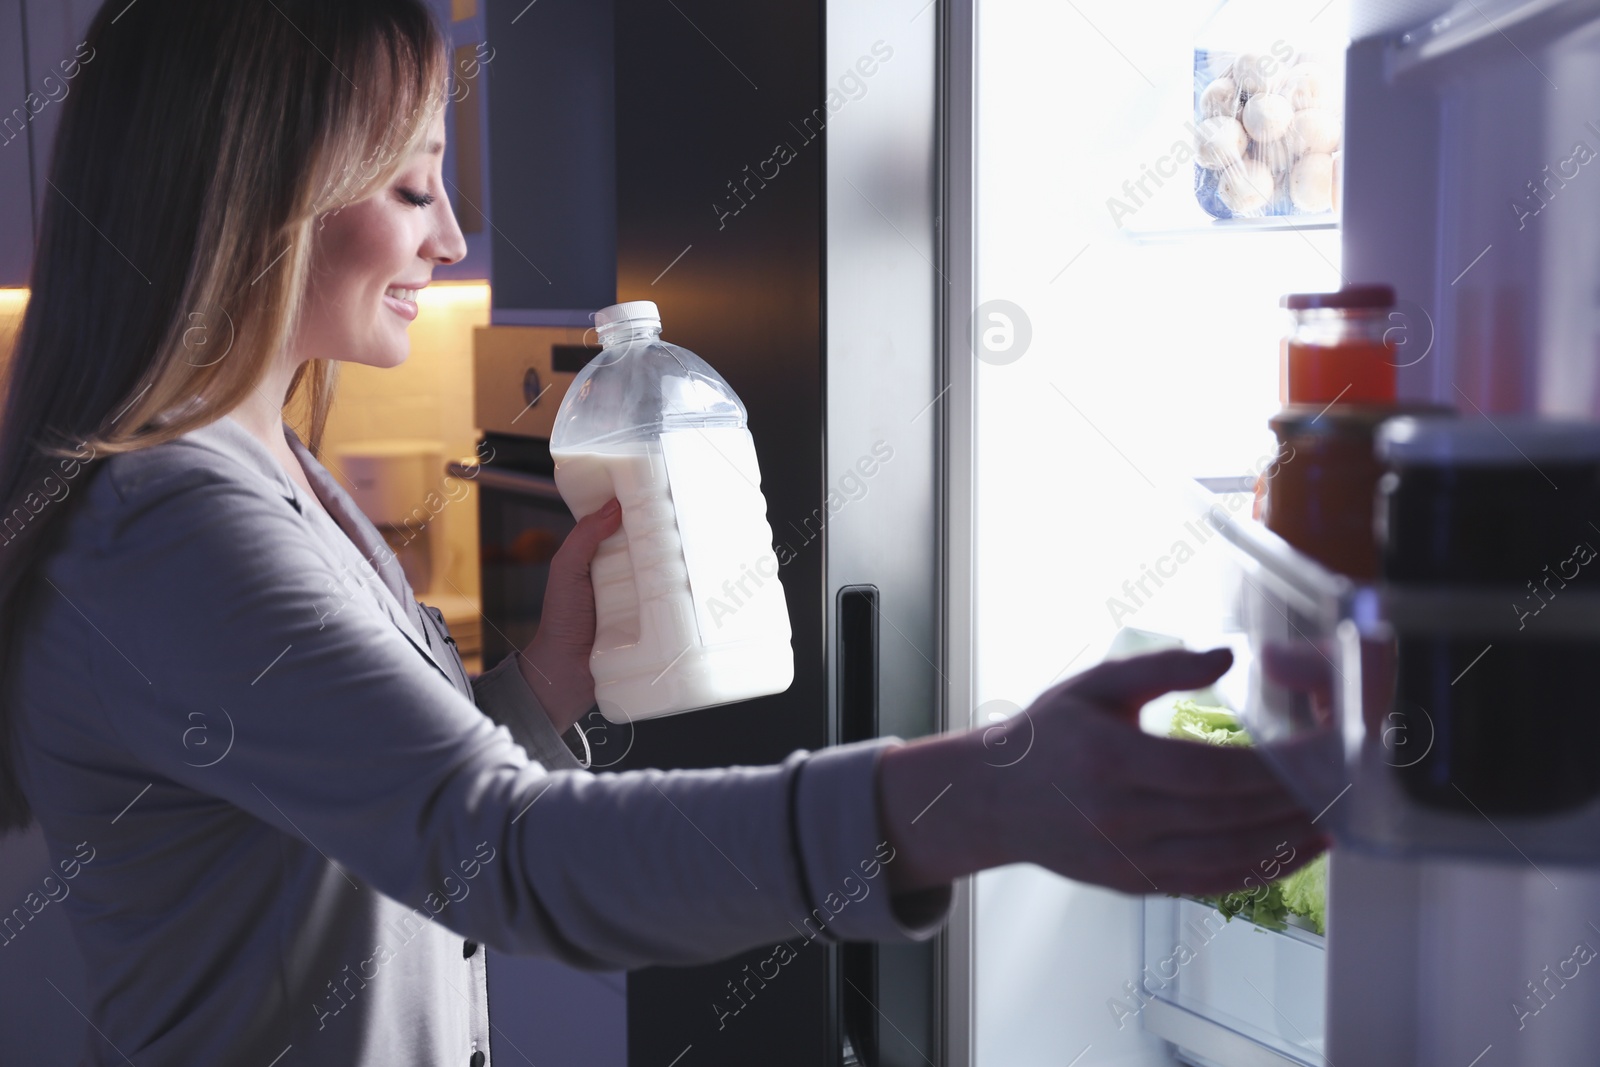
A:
x: 689, y: 607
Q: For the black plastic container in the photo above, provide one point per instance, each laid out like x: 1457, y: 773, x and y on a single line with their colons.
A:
x: 1491, y: 526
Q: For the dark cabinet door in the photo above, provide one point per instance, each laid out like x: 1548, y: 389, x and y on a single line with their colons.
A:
x: 56, y: 54
x: 16, y: 193
x: 552, y: 160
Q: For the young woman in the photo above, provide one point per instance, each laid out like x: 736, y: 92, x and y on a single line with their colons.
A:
x: 290, y: 819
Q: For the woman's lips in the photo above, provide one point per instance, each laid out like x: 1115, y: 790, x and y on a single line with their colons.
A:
x: 404, y: 306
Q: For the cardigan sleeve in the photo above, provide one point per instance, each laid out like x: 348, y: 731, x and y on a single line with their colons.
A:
x: 206, y: 592
x: 503, y: 694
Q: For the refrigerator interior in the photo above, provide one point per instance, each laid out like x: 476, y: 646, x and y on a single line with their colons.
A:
x: 1140, y: 349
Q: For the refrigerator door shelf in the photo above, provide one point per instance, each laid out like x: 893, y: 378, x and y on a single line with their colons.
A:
x: 1455, y: 40
x: 1467, y: 773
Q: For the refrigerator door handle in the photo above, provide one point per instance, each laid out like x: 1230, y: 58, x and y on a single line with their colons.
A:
x: 856, y: 631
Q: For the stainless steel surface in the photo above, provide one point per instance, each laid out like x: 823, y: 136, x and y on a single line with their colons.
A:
x: 958, y: 513
x: 502, y: 357
x: 884, y: 379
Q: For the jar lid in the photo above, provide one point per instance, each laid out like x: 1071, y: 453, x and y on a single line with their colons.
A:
x: 1503, y: 440
x: 1346, y: 418
x: 1350, y: 297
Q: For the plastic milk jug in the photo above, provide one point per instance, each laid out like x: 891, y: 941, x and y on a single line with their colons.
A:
x: 689, y: 607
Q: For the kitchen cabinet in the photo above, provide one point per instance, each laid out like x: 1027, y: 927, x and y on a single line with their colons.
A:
x: 42, y: 40
x: 16, y: 218
x: 40, y: 54
x: 466, y: 155
x: 551, y: 95
x: 55, y: 53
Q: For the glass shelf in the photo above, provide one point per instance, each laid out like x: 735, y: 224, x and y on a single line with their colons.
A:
x: 1215, y: 984
x: 1204, y: 227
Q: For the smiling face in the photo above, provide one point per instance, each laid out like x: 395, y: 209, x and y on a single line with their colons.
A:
x: 371, y: 256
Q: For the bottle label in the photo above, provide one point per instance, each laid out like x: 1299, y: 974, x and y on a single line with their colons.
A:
x: 727, y: 543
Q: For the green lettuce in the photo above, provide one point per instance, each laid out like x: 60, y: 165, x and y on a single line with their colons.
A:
x: 1264, y: 906
x: 1215, y: 726
x: 1303, y: 893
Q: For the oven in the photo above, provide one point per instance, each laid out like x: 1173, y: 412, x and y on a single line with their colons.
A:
x: 521, y: 374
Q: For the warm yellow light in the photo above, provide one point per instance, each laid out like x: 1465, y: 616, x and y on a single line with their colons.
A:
x: 455, y: 293
x: 14, y: 301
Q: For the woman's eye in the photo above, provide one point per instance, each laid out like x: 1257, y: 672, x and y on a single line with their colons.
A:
x: 416, y: 199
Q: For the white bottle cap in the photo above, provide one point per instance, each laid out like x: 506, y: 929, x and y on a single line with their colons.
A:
x: 642, y: 312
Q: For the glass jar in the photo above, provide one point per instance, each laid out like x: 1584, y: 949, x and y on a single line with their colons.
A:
x: 1339, y: 349
x: 1488, y: 544
x: 1319, y: 491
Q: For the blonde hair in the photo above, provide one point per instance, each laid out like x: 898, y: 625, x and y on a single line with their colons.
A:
x: 252, y: 266
x: 198, y: 151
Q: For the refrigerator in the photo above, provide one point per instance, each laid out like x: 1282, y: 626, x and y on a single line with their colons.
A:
x: 887, y: 226
x: 964, y: 230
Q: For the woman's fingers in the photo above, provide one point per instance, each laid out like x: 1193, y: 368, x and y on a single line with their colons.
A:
x: 1239, y: 860
x: 1162, y: 814
x: 590, y: 530
x: 1193, y: 768
x: 1209, y: 878
x: 1299, y: 667
x: 1174, y: 817
x: 1125, y: 685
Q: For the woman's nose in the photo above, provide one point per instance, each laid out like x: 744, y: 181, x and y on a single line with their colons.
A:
x: 447, y: 244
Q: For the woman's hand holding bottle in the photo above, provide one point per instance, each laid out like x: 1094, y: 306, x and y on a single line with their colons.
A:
x: 556, y: 662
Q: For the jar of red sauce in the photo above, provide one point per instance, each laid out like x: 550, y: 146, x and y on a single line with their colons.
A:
x: 1339, y: 349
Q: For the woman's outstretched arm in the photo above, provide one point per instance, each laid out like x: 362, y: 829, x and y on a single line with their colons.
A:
x: 204, y: 592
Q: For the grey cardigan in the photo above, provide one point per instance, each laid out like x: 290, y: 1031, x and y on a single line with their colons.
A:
x: 290, y: 820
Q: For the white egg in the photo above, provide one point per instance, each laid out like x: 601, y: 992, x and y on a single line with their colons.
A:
x: 1221, y: 142
x: 1316, y: 129
x: 1308, y: 85
x: 1221, y: 97
x: 1311, y: 183
x: 1247, y: 188
x: 1278, y: 155
x: 1267, y: 117
x: 1253, y: 72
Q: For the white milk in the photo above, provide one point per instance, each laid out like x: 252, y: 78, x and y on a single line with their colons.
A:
x: 689, y: 606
